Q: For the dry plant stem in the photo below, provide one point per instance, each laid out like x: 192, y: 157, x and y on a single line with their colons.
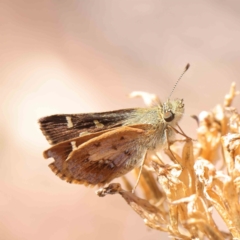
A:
x: 203, y: 211
x: 127, y: 183
x: 207, y: 229
x: 229, y: 97
x: 147, y: 211
x: 149, y: 186
x: 169, y: 146
x: 231, y: 148
x: 225, y: 199
x: 188, y: 174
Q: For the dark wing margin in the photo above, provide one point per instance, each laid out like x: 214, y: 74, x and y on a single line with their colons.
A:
x: 62, y: 127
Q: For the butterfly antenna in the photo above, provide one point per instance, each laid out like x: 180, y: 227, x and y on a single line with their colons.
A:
x: 186, y: 68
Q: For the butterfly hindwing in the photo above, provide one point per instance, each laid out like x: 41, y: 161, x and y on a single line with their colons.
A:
x: 61, y: 151
x: 98, y: 157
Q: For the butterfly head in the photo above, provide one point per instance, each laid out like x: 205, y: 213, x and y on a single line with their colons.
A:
x: 172, y: 109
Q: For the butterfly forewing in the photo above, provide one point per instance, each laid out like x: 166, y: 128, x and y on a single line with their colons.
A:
x: 59, y: 128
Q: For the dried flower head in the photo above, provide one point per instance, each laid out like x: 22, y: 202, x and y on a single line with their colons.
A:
x: 180, y: 195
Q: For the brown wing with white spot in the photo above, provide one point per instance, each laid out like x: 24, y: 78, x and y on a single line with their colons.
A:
x: 100, y: 159
x: 59, y: 128
x: 61, y: 151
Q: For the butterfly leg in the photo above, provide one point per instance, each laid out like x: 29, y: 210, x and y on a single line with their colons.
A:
x: 140, y: 172
x: 182, y: 132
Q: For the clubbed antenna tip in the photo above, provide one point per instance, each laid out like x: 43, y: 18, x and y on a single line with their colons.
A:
x: 186, y: 68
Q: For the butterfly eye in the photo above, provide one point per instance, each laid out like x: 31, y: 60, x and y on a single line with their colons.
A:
x: 168, y: 116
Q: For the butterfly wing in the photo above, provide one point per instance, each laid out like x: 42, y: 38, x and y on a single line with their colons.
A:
x: 59, y: 128
x: 99, y: 157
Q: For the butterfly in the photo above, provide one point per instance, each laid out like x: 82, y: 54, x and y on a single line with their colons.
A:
x: 95, y: 148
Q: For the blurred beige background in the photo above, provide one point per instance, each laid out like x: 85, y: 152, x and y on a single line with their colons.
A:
x: 83, y: 56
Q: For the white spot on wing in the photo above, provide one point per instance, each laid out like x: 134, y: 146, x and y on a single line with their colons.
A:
x: 98, y: 124
x: 69, y: 122
x: 73, y: 143
x: 74, y: 147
